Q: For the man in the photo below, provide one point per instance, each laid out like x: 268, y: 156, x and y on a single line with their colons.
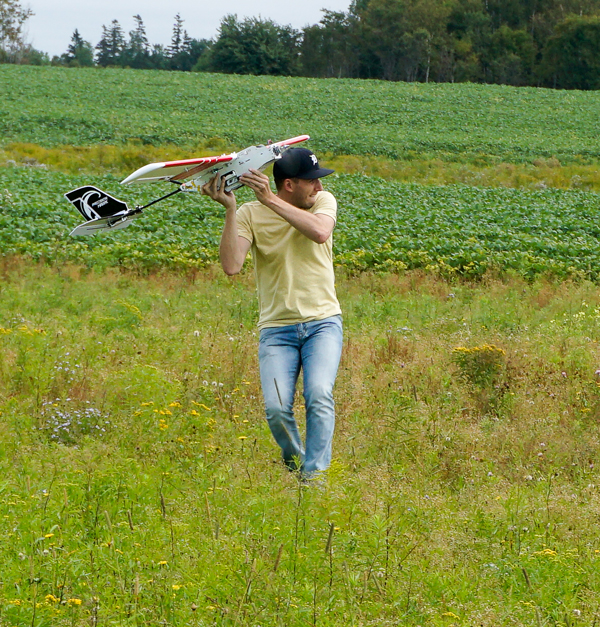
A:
x: 290, y: 236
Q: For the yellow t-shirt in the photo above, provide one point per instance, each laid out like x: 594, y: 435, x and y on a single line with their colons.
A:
x: 294, y: 275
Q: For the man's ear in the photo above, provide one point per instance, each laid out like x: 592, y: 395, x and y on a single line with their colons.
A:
x: 288, y: 185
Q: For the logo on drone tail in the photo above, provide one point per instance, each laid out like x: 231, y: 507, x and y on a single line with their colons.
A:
x: 93, y: 203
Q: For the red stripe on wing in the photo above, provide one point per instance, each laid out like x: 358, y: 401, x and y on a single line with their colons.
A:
x: 199, y: 168
x: 201, y: 160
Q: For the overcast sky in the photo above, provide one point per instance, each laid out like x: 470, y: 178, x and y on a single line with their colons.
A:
x: 50, y: 29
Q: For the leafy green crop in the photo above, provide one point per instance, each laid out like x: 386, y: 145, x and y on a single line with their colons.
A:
x: 452, y: 230
x: 56, y: 106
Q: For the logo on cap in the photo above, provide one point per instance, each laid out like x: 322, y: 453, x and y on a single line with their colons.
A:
x: 299, y: 163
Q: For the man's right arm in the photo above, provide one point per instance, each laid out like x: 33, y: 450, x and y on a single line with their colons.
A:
x: 233, y: 248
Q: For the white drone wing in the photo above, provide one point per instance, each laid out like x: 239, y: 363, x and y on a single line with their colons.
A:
x: 197, y: 172
x: 175, y: 170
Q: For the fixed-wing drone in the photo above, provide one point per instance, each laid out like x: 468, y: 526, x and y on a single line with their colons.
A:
x: 103, y: 212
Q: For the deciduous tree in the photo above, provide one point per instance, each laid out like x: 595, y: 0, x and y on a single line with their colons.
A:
x: 572, y: 55
x: 12, y: 18
x: 255, y: 46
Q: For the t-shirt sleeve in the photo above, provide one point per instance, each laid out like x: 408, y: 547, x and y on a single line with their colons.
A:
x: 244, y: 224
x: 326, y: 204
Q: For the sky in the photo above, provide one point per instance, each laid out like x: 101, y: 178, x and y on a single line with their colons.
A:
x: 50, y: 29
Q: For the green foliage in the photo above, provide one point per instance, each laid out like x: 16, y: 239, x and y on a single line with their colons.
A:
x: 137, y: 53
x: 331, y: 47
x: 402, y: 35
x: 452, y: 231
x: 111, y: 47
x: 255, y: 46
x: 486, y: 124
x: 572, y: 56
x: 79, y: 53
x: 515, y: 43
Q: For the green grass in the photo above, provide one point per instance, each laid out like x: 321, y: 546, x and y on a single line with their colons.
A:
x: 140, y: 483
x: 465, y: 123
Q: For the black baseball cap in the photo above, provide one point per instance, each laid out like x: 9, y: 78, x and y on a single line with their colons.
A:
x: 299, y: 163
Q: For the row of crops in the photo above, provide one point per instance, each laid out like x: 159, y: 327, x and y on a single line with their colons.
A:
x: 85, y: 106
x: 450, y: 230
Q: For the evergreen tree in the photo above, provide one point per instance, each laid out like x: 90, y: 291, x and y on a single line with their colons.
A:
x: 79, y: 53
x: 111, y: 46
x: 176, y: 38
x: 179, y: 52
x: 137, y: 51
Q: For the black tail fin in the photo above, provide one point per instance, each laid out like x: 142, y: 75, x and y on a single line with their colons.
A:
x: 92, y: 203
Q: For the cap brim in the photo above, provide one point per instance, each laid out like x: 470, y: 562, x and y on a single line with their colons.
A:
x: 316, y: 174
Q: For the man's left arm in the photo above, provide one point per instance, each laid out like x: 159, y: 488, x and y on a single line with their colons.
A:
x: 317, y: 227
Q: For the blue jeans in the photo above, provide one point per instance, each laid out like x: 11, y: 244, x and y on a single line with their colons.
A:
x: 316, y: 348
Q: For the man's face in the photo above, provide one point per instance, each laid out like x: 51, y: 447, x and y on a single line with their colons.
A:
x: 304, y: 192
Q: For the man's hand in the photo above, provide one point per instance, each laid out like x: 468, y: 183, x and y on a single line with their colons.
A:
x: 215, y: 189
x: 259, y: 184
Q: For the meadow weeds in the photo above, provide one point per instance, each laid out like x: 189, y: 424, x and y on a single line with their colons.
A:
x: 141, y: 485
x: 481, y: 368
x: 120, y: 161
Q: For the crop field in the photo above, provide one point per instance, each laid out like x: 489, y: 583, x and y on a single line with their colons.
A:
x: 140, y: 484
x: 56, y: 106
x: 385, y: 226
x: 118, y: 120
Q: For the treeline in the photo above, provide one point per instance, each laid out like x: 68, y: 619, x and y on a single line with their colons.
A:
x: 135, y: 51
x: 553, y: 43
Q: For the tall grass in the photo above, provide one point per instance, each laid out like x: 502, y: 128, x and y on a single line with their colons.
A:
x: 122, y: 160
x: 141, y: 485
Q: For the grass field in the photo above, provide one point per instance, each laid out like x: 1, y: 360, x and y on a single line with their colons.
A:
x: 140, y: 485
